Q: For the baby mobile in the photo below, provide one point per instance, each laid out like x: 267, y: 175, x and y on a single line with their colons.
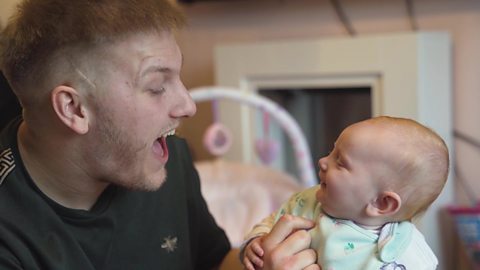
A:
x: 266, y: 147
x: 218, y: 138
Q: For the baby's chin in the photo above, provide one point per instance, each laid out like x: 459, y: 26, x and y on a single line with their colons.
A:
x: 323, y: 184
x: 327, y: 212
x: 321, y: 189
x: 331, y: 212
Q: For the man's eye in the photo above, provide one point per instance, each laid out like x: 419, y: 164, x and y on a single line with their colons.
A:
x: 157, y: 91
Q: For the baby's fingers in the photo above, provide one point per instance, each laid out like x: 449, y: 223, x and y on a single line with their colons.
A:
x: 253, y: 258
x: 255, y: 246
x: 248, y: 264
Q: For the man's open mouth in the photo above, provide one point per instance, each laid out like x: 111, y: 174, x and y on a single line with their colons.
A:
x: 160, y: 145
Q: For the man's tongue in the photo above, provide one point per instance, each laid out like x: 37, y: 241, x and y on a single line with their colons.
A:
x: 160, y: 147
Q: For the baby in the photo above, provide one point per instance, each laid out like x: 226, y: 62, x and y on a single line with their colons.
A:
x: 381, y: 173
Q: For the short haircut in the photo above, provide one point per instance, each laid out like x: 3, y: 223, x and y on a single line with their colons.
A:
x: 40, y: 29
x: 423, y: 163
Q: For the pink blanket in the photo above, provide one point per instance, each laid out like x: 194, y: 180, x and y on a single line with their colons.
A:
x: 240, y: 195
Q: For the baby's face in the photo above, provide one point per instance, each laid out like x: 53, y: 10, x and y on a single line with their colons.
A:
x: 351, y: 174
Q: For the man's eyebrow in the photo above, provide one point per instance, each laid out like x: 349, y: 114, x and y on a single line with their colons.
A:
x: 151, y: 69
x: 154, y: 68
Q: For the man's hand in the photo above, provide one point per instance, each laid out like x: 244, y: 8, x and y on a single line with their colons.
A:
x: 287, y: 245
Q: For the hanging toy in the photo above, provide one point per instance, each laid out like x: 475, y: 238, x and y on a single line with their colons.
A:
x: 266, y: 147
x: 217, y: 139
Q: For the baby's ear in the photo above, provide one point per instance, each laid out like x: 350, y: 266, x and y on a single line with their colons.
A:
x: 386, y: 204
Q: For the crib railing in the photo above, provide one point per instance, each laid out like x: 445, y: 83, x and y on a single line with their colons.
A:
x: 288, y: 124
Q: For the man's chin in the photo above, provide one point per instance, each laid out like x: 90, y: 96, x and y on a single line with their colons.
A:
x: 147, y: 183
x: 156, y: 181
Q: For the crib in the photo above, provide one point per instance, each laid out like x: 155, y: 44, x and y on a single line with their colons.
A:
x: 239, y: 195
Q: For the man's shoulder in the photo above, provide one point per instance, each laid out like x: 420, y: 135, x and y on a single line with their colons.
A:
x: 7, y: 150
x: 177, y: 146
x: 7, y: 164
x: 9, y: 105
x: 179, y: 159
x: 15, y: 196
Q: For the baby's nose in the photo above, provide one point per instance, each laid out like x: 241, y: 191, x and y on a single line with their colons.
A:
x: 322, y: 164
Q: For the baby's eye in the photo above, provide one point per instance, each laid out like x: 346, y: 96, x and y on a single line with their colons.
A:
x: 339, y: 163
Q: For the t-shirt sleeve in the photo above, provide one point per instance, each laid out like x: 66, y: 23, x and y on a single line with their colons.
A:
x: 209, y: 242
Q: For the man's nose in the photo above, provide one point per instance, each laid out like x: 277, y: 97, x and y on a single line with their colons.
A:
x: 185, y: 106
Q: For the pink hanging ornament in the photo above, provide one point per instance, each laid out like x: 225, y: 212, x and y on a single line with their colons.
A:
x: 218, y: 138
x: 266, y: 147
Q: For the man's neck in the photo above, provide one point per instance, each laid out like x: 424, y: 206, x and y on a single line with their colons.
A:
x: 54, y: 170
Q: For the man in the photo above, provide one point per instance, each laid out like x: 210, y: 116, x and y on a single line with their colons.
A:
x: 89, y: 179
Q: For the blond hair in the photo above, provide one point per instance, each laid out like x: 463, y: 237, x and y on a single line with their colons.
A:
x: 40, y: 29
x: 422, y: 165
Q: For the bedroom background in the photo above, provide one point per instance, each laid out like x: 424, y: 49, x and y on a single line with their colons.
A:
x: 214, y: 23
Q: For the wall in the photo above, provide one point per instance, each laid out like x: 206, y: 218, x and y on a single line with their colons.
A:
x: 6, y: 8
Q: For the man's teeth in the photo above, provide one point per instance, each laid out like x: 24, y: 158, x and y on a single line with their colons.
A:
x: 170, y: 133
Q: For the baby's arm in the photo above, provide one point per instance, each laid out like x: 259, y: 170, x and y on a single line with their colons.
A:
x: 253, y: 254
x: 286, y: 246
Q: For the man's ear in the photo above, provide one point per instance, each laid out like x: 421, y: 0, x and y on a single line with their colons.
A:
x: 386, y: 204
x: 69, y: 108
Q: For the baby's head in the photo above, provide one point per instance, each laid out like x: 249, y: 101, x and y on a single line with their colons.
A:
x: 381, y: 170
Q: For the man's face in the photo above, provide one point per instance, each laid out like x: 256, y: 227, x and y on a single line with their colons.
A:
x: 352, y: 174
x: 139, y: 98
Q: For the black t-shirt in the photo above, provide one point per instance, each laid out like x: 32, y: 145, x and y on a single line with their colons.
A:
x: 9, y: 105
x: 167, y: 229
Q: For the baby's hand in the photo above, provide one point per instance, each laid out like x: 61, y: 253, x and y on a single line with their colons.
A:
x: 253, y: 255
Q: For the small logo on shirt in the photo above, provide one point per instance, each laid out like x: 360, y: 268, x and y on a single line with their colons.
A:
x: 349, y: 247
x: 7, y: 164
x: 169, y: 244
